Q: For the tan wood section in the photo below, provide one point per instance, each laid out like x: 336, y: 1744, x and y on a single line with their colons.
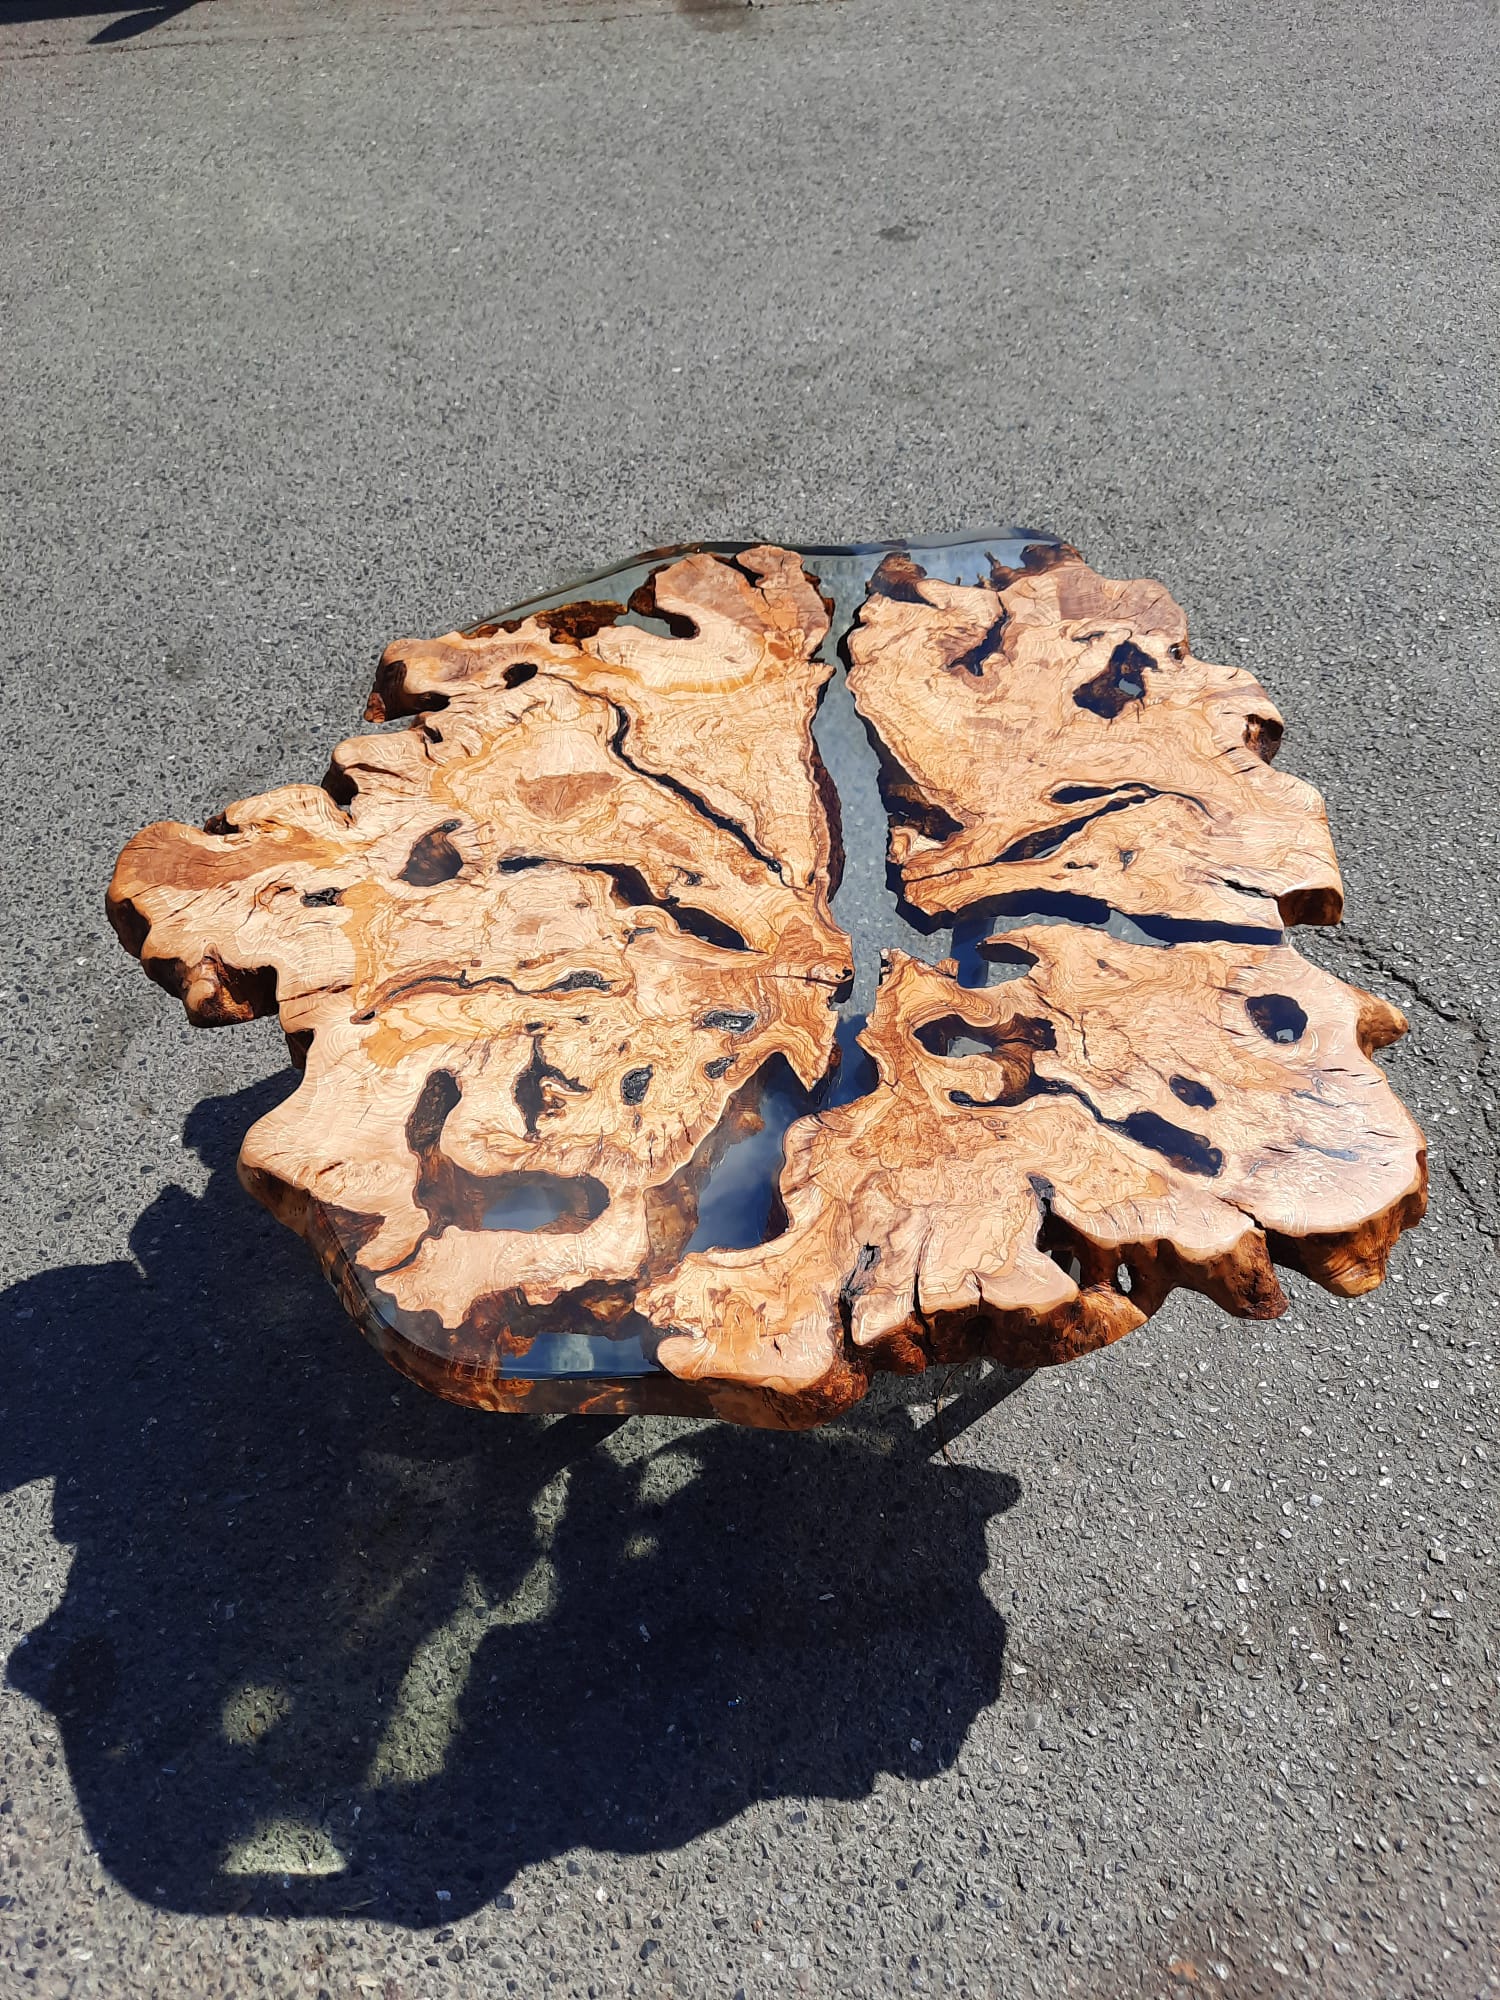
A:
x: 1051, y: 731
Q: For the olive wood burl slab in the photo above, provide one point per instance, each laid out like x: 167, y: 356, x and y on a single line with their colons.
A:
x: 560, y: 964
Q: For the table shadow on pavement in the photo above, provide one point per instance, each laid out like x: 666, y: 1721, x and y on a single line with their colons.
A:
x: 328, y: 1644
x: 125, y: 27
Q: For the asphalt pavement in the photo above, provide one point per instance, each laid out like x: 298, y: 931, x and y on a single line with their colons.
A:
x: 1173, y: 1674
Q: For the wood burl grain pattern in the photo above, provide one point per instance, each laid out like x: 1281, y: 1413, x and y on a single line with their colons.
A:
x: 540, y: 954
x: 1043, y: 1161
x: 1050, y: 734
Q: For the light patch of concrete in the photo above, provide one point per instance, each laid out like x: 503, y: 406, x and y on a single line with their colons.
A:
x: 33, y: 1589
x: 284, y: 1847
x: 666, y: 1473
x: 414, y: 1745
x: 253, y: 1711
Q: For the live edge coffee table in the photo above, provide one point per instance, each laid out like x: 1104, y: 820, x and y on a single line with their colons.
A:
x: 613, y: 1099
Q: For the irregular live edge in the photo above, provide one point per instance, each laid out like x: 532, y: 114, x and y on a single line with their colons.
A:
x: 1126, y: 1120
x: 1051, y: 733
x: 540, y: 954
x: 528, y: 975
